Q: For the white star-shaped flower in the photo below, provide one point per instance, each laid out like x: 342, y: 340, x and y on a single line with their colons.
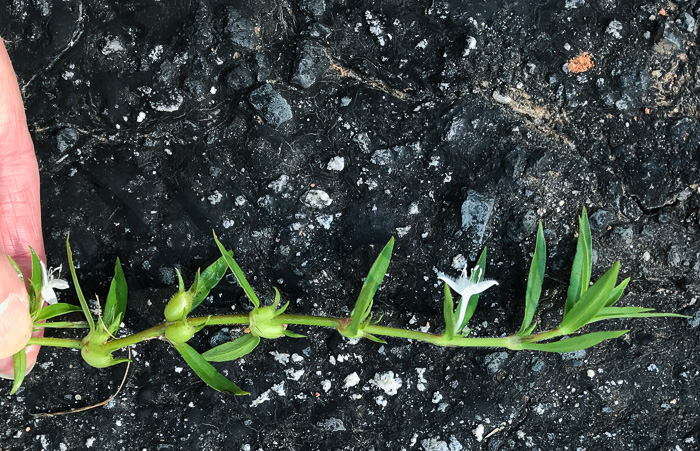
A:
x: 466, y: 289
x: 49, y: 282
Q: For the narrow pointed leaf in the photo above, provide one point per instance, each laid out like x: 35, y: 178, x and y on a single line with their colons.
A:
x: 233, y: 350
x: 115, y: 306
x: 534, y: 281
x: 36, y: 283
x: 473, y: 301
x: 78, y: 291
x: 206, y: 371
x: 62, y: 325
x: 54, y: 310
x: 527, y: 332
x: 581, y: 269
x: 374, y: 338
x: 575, y: 343
x: 617, y: 292
x: 592, y: 301
x: 208, y: 280
x: 16, y: 266
x: 238, y: 273
x: 376, y: 274
x: 20, y: 368
x: 180, y: 282
x: 631, y: 312
x: 449, y: 313
x: 290, y: 334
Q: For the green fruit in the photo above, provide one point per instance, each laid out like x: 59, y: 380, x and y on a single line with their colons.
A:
x: 95, y: 353
x: 179, y: 306
x: 180, y: 332
x: 263, y: 323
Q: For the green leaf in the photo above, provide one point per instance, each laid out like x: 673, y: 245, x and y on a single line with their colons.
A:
x: 115, y: 307
x: 583, y: 264
x: 78, y: 291
x: 449, y: 313
x: 180, y: 282
x: 631, y: 312
x: 575, y: 343
x: 62, y: 325
x: 208, y: 280
x: 363, y: 305
x: 290, y: 334
x: 206, y: 371
x: 35, y: 283
x: 238, y: 273
x: 20, y: 367
x: 54, y: 310
x: 16, y: 266
x: 534, y: 281
x: 374, y: 338
x: 473, y: 301
x: 592, y: 301
x: 233, y: 350
x: 617, y: 292
x: 527, y: 332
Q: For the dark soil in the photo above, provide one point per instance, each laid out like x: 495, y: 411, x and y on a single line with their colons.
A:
x: 448, y: 124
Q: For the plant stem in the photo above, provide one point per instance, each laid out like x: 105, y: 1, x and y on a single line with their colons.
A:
x: 509, y: 342
x: 56, y: 342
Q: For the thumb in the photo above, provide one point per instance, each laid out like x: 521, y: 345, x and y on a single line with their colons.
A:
x: 15, y: 322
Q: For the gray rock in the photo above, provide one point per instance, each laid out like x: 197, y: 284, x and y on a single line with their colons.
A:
x: 263, y: 66
x: 670, y: 42
x: 310, y: 64
x: 495, y: 361
x: 476, y: 212
x: 240, y: 77
x: 624, y: 234
x: 239, y: 29
x: 66, y: 138
x: 332, y: 424
x: 315, y: 8
x: 688, y: 22
x: 601, y: 220
x: 271, y: 105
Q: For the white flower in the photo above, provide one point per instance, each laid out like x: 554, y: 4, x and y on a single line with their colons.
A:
x: 466, y: 289
x: 49, y: 282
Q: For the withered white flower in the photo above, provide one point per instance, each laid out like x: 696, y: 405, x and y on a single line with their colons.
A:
x: 49, y: 283
x: 466, y: 289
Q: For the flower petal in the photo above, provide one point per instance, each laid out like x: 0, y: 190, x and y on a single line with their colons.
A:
x: 48, y: 295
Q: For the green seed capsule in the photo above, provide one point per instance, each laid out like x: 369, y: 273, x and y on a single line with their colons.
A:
x: 180, y: 332
x: 263, y: 323
x: 179, y: 306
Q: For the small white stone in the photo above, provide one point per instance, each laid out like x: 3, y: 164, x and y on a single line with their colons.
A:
x: 336, y: 164
x: 590, y: 373
x: 316, y: 198
x: 140, y: 117
x: 351, y: 380
x: 479, y: 432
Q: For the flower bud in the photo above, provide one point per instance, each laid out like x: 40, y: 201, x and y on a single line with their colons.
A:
x: 179, y: 306
x: 95, y: 353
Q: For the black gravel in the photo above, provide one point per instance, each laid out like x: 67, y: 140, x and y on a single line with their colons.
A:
x: 307, y: 133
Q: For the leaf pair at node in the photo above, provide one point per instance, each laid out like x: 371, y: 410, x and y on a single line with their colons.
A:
x: 585, y: 303
x: 361, y: 315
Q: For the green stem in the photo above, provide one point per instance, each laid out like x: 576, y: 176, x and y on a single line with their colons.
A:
x: 509, y: 342
x: 56, y: 342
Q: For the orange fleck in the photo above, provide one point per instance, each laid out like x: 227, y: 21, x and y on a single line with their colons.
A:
x: 318, y: 395
x: 313, y: 185
x: 581, y: 63
x: 647, y: 111
x: 662, y: 12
